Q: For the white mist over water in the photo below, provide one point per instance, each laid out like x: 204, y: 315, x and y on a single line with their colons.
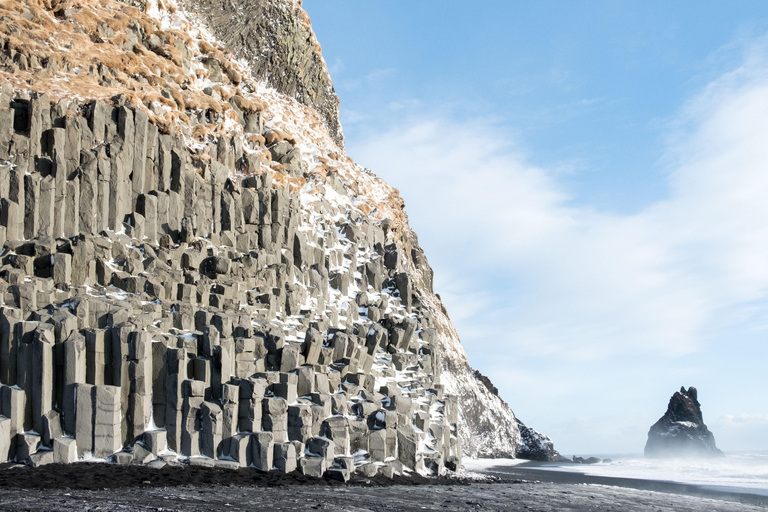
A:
x: 744, y: 472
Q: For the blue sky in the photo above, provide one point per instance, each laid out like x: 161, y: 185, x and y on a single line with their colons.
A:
x: 589, y: 183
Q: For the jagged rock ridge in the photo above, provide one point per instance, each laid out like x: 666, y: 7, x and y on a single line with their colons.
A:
x: 276, y: 39
x: 681, y: 432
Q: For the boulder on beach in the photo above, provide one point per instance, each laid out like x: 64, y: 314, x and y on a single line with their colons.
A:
x: 681, y: 432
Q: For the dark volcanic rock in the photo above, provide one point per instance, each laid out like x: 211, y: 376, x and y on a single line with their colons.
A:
x: 484, y: 421
x: 276, y: 39
x: 588, y: 460
x: 681, y: 432
x: 535, y: 445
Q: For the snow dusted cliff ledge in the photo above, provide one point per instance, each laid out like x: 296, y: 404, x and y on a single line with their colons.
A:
x: 275, y: 40
x: 204, y: 195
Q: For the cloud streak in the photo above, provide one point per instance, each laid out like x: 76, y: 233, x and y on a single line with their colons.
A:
x: 582, y: 281
x: 743, y: 420
x: 529, y: 276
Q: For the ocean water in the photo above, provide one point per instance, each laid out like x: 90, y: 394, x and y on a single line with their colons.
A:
x: 736, y: 472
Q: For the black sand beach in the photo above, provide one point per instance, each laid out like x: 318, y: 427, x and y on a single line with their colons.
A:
x: 97, y: 487
x: 530, y: 471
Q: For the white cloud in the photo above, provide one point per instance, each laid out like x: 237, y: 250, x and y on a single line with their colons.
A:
x: 742, y: 420
x: 576, y: 312
x: 375, y: 75
x: 337, y: 67
x: 741, y: 432
x: 582, y: 283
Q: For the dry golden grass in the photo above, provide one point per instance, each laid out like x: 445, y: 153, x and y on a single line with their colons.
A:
x: 79, y: 54
x: 225, y: 93
x: 296, y: 184
x: 84, y: 59
x: 279, y: 179
x: 207, y: 132
x: 201, y: 102
x: 273, y: 137
x: 231, y: 72
x: 178, y: 98
x: 171, y: 53
x: 256, y: 140
x: 246, y: 105
x: 219, y: 52
x: 282, y: 180
x: 200, y: 132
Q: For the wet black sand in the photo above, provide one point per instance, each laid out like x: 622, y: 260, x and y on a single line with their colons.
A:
x: 529, y: 471
x: 101, y: 487
x: 103, y: 476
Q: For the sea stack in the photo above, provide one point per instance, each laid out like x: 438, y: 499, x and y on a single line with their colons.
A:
x: 681, y: 432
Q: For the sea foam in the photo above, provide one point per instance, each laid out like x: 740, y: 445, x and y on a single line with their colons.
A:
x: 736, y: 472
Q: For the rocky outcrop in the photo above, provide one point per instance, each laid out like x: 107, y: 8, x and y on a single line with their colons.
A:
x: 276, y: 39
x: 191, y: 267
x: 681, y: 432
x: 535, y: 445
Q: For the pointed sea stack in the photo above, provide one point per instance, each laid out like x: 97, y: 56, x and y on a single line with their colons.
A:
x: 681, y: 432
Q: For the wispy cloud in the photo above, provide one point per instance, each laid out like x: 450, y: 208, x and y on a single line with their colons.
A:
x: 741, y: 431
x: 336, y: 67
x: 662, y: 280
x: 530, y: 275
x: 743, y: 420
x: 373, y: 76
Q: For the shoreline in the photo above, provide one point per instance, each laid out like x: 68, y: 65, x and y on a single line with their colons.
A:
x: 528, y: 471
x: 97, y: 486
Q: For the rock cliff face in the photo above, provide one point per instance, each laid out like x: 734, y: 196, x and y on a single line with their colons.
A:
x: 276, y: 40
x: 681, y: 432
x: 192, y: 267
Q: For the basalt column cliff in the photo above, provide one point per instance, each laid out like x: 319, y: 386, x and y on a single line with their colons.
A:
x: 191, y: 266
